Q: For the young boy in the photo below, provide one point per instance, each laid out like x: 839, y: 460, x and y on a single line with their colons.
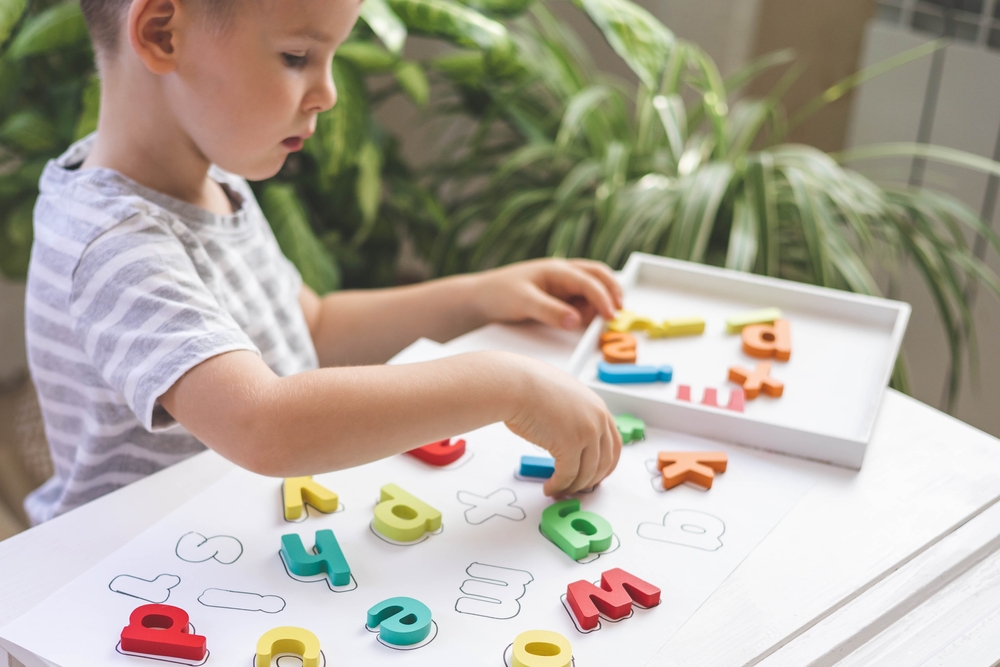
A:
x: 161, y: 314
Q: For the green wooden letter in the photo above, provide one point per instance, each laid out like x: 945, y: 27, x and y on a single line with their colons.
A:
x: 576, y: 532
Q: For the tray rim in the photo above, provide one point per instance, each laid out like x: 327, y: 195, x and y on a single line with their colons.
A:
x: 738, y: 427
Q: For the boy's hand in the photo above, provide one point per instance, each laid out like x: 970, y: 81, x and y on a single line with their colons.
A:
x: 559, y: 414
x: 563, y: 293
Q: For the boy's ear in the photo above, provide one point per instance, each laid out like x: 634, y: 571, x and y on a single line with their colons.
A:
x: 152, y: 32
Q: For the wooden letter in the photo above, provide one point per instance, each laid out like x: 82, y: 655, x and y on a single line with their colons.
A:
x: 755, y: 381
x: 695, y: 467
x: 768, y: 340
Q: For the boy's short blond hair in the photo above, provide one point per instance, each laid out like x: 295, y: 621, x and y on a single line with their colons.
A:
x: 104, y: 18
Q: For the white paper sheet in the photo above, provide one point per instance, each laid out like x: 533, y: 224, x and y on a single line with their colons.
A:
x: 217, y: 558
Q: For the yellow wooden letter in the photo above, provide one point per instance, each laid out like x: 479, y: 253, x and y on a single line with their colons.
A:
x: 302, y: 490
x: 287, y: 639
x: 736, y: 323
x: 403, y: 517
x: 542, y: 648
x: 622, y: 322
x: 683, y: 326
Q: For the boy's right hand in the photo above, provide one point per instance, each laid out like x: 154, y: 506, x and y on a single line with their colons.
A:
x: 559, y: 414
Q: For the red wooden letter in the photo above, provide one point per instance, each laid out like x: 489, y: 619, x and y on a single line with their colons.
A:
x: 159, y: 629
x: 440, y: 453
x: 614, y: 598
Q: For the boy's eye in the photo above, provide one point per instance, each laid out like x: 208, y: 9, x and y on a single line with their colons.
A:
x: 292, y: 60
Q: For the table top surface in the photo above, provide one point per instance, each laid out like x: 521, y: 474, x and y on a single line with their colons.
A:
x: 925, y: 476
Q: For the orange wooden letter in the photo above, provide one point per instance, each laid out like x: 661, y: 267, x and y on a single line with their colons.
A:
x: 768, y: 340
x: 695, y: 467
x: 618, y: 348
x: 756, y: 380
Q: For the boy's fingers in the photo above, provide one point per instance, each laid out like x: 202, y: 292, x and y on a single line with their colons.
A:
x: 602, y: 272
x: 576, y: 281
x: 616, y: 447
x: 590, y: 460
x: 565, y: 472
x: 607, y: 458
x: 547, y: 309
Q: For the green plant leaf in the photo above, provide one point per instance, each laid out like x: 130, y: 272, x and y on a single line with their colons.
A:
x: 577, y: 110
x: 384, y: 23
x: 368, y: 57
x: 498, y: 233
x: 28, y: 131
x: 926, y: 151
x: 673, y: 116
x: 342, y: 130
x: 713, y: 96
x: 637, y: 36
x: 464, y: 67
x: 10, y: 78
x: 90, y: 108
x: 845, y: 85
x: 699, y: 207
x: 806, y: 206
x: 461, y: 25
x: 17, y: 237
x: 523, y: 158
x: 413, y: 81
x: 499, y: 7
x: 741, y: 253
x: 10, y: 13
x: 745, y: 122
x: 761, y: 193
x: 57, y: 27
x: 841, y: 255
x: 368, y: 189
x: 753, y: 69
x: 290, y: 223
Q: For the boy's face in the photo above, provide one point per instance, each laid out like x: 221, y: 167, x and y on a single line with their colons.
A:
x: 248, y: 95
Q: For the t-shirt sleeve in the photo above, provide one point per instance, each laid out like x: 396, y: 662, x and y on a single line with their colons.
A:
x: 288, y: 268
x: 144, y: 316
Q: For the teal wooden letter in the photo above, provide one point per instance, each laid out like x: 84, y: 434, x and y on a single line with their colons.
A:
x: 575, y: 532
x: 400, y: 621
x: 328, y: 559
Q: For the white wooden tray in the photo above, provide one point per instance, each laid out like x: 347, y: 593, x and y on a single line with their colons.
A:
x: 843, y: 349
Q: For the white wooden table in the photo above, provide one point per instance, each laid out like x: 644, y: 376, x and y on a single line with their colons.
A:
x: 897, y: 565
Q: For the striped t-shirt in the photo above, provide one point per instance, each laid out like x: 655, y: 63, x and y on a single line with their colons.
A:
x: 127, y: 290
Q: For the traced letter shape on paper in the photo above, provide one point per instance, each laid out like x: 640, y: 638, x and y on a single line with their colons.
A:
x: 493, y: 592
x: 196, y: 548
x: 156, y: 590
x: 499, y: 503
x: 688, y: 528
x: 241, y: 600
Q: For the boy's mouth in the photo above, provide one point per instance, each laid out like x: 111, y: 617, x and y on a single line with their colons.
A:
x: 293, y: 143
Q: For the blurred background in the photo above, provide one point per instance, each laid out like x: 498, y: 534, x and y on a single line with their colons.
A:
x: 591, y: 129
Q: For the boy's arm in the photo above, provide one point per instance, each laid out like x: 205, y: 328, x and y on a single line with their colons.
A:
x: 370, y: 326
x: 335, y: 418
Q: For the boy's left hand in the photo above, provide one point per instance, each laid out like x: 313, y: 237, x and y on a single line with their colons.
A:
x: 563, y: 293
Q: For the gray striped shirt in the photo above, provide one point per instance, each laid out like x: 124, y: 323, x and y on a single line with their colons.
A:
x: 127, y: 290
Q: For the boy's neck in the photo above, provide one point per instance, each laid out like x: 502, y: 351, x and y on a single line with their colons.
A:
x: 140, y: 138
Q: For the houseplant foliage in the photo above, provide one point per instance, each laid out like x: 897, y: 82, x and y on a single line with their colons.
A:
x: 561, y: 159
x: 577, y: 164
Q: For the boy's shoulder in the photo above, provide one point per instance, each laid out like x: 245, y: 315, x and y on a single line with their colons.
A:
x: 76, y: 207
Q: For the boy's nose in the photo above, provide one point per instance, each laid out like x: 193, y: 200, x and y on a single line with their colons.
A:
x: 326, y: 95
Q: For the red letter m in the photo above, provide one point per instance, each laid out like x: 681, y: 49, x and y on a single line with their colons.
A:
x: 613, y: 599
